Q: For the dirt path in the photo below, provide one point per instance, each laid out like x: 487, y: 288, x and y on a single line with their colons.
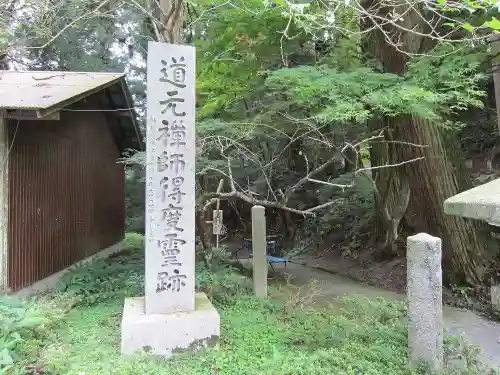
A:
x: 476, y: 329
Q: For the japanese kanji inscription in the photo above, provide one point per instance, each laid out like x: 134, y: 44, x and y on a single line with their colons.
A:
x: 170, y: 235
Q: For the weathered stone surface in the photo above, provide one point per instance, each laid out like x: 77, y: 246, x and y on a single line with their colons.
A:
x: 495, y: 296
x: 166, y: 334
x: 170, y: 172
x: 171, y: 318
x: 481, y: 203
x: 259, y: 250
x: 425, y: 305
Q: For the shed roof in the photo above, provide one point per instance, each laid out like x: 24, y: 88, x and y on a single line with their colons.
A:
x: 43, y: 90
x: 49, y: 91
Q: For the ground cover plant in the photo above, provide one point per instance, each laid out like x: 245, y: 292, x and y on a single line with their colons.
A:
x: 288, y: 334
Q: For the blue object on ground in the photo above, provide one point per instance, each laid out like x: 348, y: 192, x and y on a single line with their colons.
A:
x: 272, y: 260
x: 273, y: 250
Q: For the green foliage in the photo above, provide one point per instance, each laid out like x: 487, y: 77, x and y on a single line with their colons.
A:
x: 4, y: 37
x: 257, y: 339
x: 343, y: 96
x: 114, y: 278
x: 133, y: 241
x: 135, y: 198
x: 239, y: 41
x: 457, y: 351
x: 351, y: 215
x: 20, y: 322
x: 222, y: 286
x: 122, y: 275
x: 481, y: 134
x: 453, y: 75
x: 83, y: 43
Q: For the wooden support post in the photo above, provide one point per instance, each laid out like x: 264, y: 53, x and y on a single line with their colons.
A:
x: 259, y: 250
x: 4, y: 202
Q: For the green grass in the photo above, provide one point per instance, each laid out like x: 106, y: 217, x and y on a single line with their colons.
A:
x: 285, y: 335
x: 258, y: 337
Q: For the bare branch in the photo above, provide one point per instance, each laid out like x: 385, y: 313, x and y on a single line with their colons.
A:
x: 390, y: 165
x: 282, y: 203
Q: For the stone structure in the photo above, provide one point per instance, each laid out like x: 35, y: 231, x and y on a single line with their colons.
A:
x: 425, y: 306
x: 167, y: 334
x: 495, y: 296
x: 171, y: 317
x: 480, y: 203
x: 259, y: 251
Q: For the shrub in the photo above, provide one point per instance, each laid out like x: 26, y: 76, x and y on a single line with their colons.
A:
x: 223, y: 284
x: 351, y: 215
x: 133, y: 241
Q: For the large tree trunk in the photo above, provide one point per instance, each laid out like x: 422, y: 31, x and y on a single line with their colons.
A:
x: 432, y: 181
x: 435, y: 178
x: 391, y: 197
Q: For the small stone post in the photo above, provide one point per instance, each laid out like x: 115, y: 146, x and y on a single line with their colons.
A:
x: 259, y: 249
x: 425, y: 306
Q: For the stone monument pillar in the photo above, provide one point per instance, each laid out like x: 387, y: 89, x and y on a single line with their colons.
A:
x: 171, y: 317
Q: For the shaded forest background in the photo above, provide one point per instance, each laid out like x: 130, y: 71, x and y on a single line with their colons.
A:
x: 351, y: 127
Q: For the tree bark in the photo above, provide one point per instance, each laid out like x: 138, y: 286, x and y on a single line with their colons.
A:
x: 390, y: 205
x: 495, y: 66
x: 432, y: 181
x: 172, y: 20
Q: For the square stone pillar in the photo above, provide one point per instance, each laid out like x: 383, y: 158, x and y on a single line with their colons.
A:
x: 425, y: 301
x: 171, y: 317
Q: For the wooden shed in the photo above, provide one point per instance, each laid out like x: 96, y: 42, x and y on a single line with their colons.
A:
x: 62, y: 195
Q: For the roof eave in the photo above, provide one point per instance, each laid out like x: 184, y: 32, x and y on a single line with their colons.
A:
x: 42, y: 112
x: 129, y: 101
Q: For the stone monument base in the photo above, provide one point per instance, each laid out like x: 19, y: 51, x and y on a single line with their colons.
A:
x: 167, y: 334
